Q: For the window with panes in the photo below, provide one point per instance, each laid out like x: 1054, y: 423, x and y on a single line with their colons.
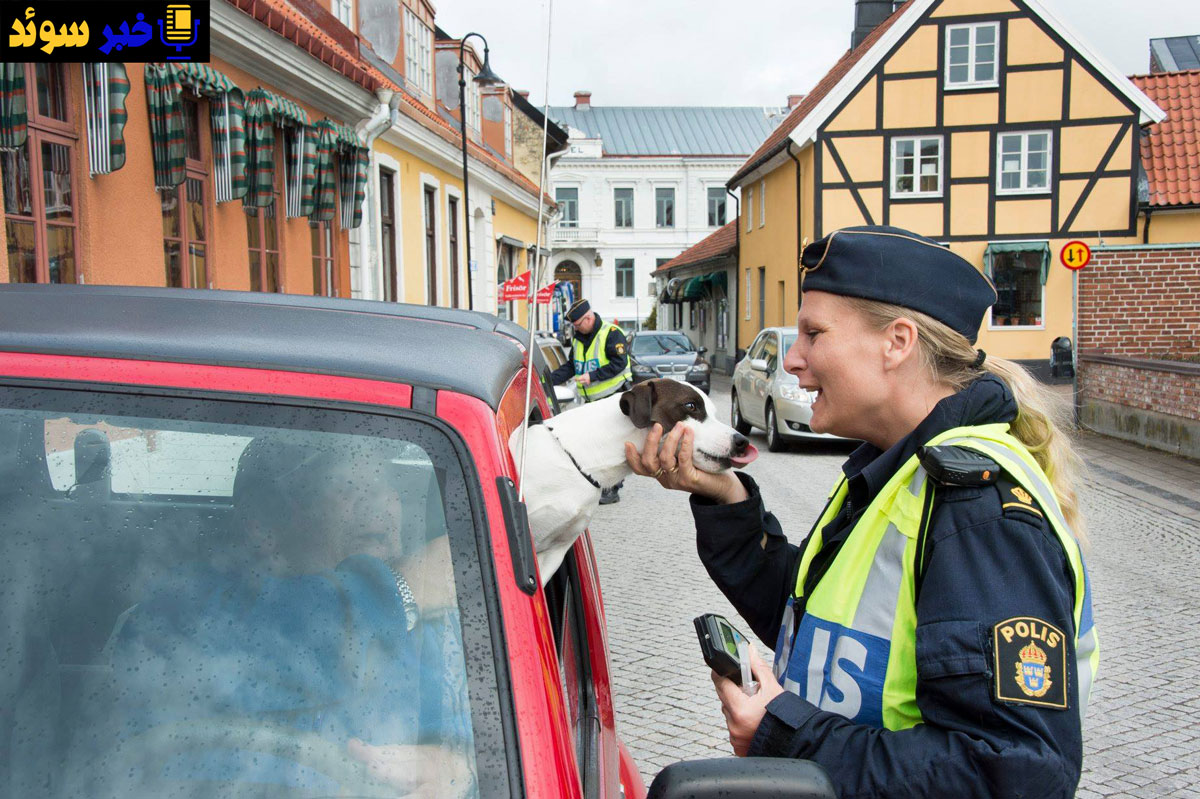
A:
x: 324, y: 276
x: 716, y: 206
x: 1019, y: 288
x: 418, y: 52
x: 452, y: 228
x: 623, y: 207
x: 431, y: 264
x: 40, y: 193
x: 1024, y: 163
x: 664, y: 207
x: 184, y: 208
x: 971, y: 55
x: 624, y: 274
x: 262, y: 230
x: 387, y: 230
x: 917, y: 166
x: 568, y: 206
x: 344, y: 11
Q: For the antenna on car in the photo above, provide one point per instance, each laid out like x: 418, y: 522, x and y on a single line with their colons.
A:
x: 535, y: 278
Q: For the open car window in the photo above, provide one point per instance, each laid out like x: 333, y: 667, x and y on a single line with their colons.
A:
x: 238, y: 599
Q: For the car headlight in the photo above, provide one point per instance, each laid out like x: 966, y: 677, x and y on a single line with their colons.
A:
x: 642, y: 369
x: 699, y: 369
x: 794, y: 394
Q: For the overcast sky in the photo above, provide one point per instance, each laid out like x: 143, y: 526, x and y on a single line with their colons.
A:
x: 749, y: 52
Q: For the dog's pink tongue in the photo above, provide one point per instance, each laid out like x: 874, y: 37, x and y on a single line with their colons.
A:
x: 746, y: 457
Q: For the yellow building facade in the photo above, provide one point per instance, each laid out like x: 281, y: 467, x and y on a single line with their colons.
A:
x: 978, y: 123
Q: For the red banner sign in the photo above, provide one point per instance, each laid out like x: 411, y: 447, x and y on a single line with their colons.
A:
x: 546, y: 294
x: 516, y: 288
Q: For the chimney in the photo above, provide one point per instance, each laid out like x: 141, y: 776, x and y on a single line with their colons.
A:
x: 794, y: 100
x: 583, y: 101
x: 524, y: 93
x: 867, y: 16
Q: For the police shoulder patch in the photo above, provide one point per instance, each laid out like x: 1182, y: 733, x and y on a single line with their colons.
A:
x: 1030, y: 662
x: 620, y: 348
x: 1014, y: 498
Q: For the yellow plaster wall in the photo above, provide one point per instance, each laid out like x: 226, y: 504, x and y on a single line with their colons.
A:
x: 1027, y: 44
x: 965, y: 205
x: 918, y: 54
x: 1122, y: 155
x: 970, y: 156
x: 862, y: 155
x: 1107, y: 207
x: 923, y: 218
x: 910, y: 103
x: 859, y: 113
x: 1034, y: 96
x: 1089, y: 98
x: 1173, y: 227
x: 1068, y: 195
x: 971, y: 109
x: 955, y: 8
x: 1083, y: 146
x: 1022, y: 216
x: 838, y: 209
x: 774, y: 246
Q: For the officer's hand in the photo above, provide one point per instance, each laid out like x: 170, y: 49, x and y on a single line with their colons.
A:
x: 584, y: 379
x: 669, y: 460
x: 744, y: 713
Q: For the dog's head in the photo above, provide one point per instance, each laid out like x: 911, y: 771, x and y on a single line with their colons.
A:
x: 668, y: 402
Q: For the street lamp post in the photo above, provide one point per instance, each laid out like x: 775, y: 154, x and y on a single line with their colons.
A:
x: 485, y: 78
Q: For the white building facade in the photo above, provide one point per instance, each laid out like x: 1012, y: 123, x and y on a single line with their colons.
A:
x: 637, y: 186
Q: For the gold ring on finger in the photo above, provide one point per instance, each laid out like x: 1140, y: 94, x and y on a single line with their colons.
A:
x: 658, y: 474
x: 673, y: 469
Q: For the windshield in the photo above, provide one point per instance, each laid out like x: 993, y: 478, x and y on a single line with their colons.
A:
x: 204, y: 599
x: 661, y: 344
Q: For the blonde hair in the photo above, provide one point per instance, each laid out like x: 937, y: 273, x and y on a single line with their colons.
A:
x: 1043, y: 419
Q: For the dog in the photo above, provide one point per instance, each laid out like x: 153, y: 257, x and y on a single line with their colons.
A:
x: 574, y: 455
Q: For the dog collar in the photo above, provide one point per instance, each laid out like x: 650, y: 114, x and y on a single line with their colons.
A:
x: 574, y: 462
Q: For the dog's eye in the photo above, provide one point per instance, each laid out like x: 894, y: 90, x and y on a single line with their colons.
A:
x: 689, y: 406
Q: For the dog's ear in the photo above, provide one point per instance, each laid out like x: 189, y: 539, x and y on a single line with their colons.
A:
x: 638, y: 402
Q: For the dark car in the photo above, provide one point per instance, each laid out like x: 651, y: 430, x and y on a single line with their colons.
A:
x: 670, y: 354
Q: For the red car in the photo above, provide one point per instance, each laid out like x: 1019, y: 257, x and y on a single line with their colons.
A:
x: 261, y: 545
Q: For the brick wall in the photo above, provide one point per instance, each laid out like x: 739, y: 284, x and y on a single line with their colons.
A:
x: 1142, y: 303
x: 1141, y: 387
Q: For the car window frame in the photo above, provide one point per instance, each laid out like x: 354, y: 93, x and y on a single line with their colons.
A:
x: 498, y: 767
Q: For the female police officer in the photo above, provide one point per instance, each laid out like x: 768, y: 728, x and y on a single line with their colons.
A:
x: 934, y: 632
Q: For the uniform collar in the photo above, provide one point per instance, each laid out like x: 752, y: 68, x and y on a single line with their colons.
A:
x: 984, y: 401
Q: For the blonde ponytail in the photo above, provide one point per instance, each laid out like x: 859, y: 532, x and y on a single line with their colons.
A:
x: 1043, y: 418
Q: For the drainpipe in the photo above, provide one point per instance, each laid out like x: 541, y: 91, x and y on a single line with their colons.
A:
x: 737, y: 270
x: 1146, y: 230
x: 799, y: 224
x: 368, y: 130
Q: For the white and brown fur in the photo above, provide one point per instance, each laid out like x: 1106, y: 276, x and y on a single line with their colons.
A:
x: 561, y: 501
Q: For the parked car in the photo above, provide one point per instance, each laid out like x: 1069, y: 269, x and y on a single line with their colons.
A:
x: 668, y: 353
x: 764, y: 395
x: 555, y: 355
x: 252, y: 541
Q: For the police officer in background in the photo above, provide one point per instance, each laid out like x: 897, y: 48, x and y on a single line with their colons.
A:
x: 599, y: 364
x: 934, y: 633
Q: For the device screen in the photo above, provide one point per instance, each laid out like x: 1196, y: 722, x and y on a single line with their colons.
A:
x: 728, y: 638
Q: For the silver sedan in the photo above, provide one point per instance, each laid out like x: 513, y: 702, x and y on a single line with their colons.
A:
x: 766, y: 396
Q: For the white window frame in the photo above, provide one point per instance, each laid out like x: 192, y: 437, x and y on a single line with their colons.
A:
x: 508, y: 130
x: 675, y: 222
x: 344, y: 11
x: 1034, y: 244
x: 762, y: 202
x: 1024, y: 188
x: 563, y: 222
x: 632, y: 278
x: 747, y: 293
x: 384, y: 161
x: 916, y: 141
x: 474, y: 102
x: 418, y: 52
x: 454, y: 193
x: 439, y: 231
x: 749, y: 212
x: 632, y: 207
x: 971, y: 83
x: 708, y: 199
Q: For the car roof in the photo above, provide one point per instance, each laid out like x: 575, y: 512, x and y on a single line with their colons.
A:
x: 469, y: 352
x: 784, y: 330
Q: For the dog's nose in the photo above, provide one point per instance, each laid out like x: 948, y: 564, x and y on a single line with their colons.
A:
x: 740, y: 443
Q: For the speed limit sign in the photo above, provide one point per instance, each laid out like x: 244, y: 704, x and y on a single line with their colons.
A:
x: 1075, y: 255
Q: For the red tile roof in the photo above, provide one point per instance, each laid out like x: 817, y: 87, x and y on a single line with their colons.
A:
x: 720, y: 242
x: 1171, y: 151
x: 779, y: 137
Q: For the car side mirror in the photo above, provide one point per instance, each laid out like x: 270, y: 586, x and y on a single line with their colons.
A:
x: 702, y: 350
x: 758, y: 364
x: 775, y: 777
x: 564, y: 394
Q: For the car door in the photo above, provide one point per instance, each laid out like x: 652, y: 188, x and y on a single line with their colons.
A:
x: 756, y: 408
x: 744, y: 381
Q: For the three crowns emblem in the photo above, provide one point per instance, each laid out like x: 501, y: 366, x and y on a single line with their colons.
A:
x: 1033, y: 675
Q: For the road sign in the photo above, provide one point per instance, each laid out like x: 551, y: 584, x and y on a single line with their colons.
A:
x: 1075, y: 255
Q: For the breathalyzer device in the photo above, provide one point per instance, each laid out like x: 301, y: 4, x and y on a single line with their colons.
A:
x: 725, y: 650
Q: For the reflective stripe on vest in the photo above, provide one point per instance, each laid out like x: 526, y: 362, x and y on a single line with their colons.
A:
x: 854, y: 650
x: 594, y: 358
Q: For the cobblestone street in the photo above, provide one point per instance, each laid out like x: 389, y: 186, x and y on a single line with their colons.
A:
x: 1143, y: 508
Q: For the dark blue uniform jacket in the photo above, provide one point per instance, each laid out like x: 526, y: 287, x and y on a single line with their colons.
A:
x: 615, y: 347
x: 985, y: 564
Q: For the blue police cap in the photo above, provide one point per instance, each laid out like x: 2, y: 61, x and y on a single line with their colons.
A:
x: 578, y: 311
x: 896, y: 266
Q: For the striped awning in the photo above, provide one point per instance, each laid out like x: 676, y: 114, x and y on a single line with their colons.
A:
x: 13, y: 131
x: 105, y: 88
x: 164, y: 97
x: 280, y: 110
x: 203, y: 79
